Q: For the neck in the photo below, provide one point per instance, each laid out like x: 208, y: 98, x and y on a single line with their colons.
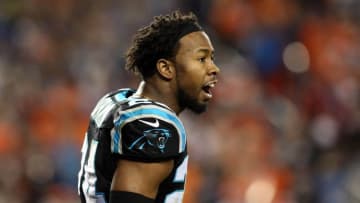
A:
x: 160, y: 92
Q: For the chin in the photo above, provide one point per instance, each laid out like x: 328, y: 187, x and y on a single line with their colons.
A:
x: 191, y: 103
x: 197, y: 108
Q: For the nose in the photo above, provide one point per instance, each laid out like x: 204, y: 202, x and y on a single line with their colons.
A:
x: 214, y: 69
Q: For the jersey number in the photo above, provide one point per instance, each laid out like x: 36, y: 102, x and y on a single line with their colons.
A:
x: 88, y: 168
x: 180, y: 175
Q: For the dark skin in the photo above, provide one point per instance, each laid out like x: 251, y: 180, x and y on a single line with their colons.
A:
x: 190, y: 71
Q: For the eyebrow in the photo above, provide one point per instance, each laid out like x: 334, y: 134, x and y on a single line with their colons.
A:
x: 206, y: 50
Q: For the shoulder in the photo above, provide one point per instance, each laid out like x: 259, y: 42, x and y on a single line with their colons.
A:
x: 107, y: 104
x: 144, y: 109
x: 145, y: 125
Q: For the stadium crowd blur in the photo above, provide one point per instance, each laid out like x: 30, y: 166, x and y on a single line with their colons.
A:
x: 283, y: 127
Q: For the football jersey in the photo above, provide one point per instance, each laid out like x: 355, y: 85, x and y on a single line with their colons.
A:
x: 123, y: 126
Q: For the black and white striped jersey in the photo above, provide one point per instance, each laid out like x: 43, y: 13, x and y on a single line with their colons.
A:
x: 125, y: 127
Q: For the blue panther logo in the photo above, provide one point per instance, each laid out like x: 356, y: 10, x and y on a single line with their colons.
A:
x: 156, y: 138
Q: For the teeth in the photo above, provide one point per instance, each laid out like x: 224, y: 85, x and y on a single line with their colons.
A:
x: 211, y: 84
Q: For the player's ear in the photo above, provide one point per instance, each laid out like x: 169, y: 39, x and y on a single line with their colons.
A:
x: 165, y: 68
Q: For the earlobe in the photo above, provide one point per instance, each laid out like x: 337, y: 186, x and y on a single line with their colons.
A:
x: 165, y: 68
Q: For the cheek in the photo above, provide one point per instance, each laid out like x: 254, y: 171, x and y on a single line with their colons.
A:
x: 191, y: 79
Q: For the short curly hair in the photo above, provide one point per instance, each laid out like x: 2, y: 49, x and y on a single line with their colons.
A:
x: 158, y: 40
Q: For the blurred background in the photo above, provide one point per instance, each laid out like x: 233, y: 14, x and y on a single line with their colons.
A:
x: 283, y: 127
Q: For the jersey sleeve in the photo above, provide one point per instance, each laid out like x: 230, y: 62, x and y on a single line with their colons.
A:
x: 148, y: 133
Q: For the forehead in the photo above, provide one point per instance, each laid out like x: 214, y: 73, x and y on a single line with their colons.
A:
x: 195, y: 42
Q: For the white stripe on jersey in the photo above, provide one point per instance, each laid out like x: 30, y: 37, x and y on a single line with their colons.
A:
x: 102, y: 109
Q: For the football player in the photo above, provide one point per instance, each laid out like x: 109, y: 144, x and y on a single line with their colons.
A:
x: 135, y: 146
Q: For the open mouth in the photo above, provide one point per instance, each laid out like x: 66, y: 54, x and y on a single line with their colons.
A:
x: 207, y: 88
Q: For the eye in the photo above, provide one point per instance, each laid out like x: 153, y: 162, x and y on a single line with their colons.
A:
x: 202, y: 59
